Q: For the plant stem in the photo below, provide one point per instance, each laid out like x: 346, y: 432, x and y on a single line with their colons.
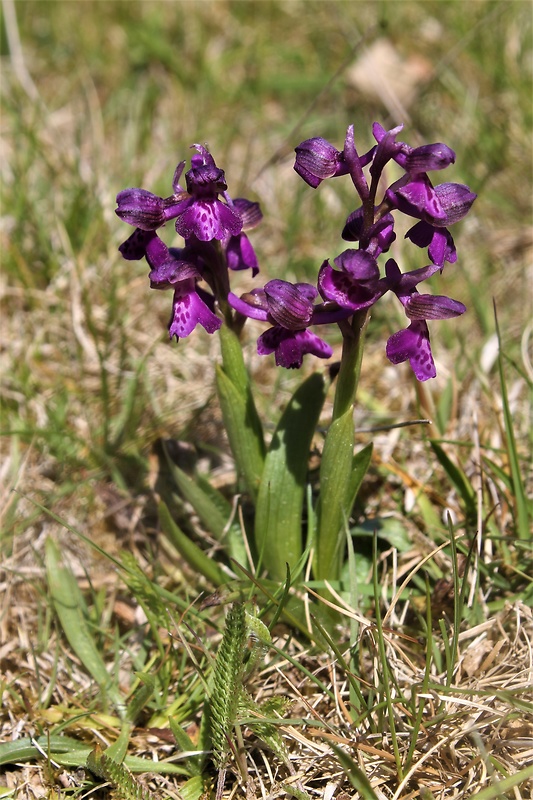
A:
x: 350, y: 369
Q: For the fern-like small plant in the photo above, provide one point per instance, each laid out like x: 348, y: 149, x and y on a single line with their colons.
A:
x: 244, y: 642
x: 227, y: 683
x: 125, y: 786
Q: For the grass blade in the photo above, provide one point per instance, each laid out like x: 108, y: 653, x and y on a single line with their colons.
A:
x: 519, y: 493
x: 68, y: 605
x: 355, y: 775
x: 190, y: 551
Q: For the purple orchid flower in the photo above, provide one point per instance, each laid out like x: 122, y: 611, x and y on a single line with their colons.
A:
x: 426, y: 158
x: 356, y: 284
x: 147, y: 211
x: 317, y: 159
x: 437, y: 208
x: 413, y: 343
x: 290, y: 310
x: 178, y: 269
x: 198, y: 211
x: 213, y: 226
x: 414, y: 194
x: 202, y: 214
x: 191, y: 306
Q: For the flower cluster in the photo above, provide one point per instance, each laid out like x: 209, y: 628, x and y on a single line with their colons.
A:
x: 212, y: 226
x: 213, y: 230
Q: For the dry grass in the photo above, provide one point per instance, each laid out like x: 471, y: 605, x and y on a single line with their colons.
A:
x: 470, y: 731
x: 91, y: 384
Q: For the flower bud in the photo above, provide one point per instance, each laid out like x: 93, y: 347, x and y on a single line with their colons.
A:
x: 317, y: 159
x: 141, y: 208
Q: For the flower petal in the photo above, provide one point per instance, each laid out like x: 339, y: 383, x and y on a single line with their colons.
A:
x: 251, y: 304
x: 140, y: 208
x: 134, y: 248
x: 456, y: 199
x: 291, y: 346
x: 419, y: 199
x: 359, y: 265
x: 317, y: 159
x: 249, y: 212
x: 207, y: 220
x: 240, y: 254
x: 189, y: 310
x: 413, y: 344
x: 429, y: 157
x: 433, y: 306
x: 288, y: 305
x: 347, y: 293
x: 439, y: 242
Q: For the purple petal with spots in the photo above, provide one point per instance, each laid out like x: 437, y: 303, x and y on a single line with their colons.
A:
x: 189, y: 310
x: 207, y: 220
x: 412, y: 344
x: 134, y: 248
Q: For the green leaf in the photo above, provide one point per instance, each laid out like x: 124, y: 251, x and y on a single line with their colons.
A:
x: 117, y: 751
x: 185, y: 743
x: 341, y: 475
x: 24, y: 749
x: 246, y: 447
x: 241, y: 420
x: 360, y: 465
x: 193, y: 789
x: 190, y: 551
x: 213, y: 510
x: 68, y: 604
x: 458, y: 478
x: 141, y: 696
x: 71, y: 753
x: 278, y: 520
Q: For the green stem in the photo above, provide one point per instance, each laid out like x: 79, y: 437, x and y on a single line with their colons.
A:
x: 350, y: 369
